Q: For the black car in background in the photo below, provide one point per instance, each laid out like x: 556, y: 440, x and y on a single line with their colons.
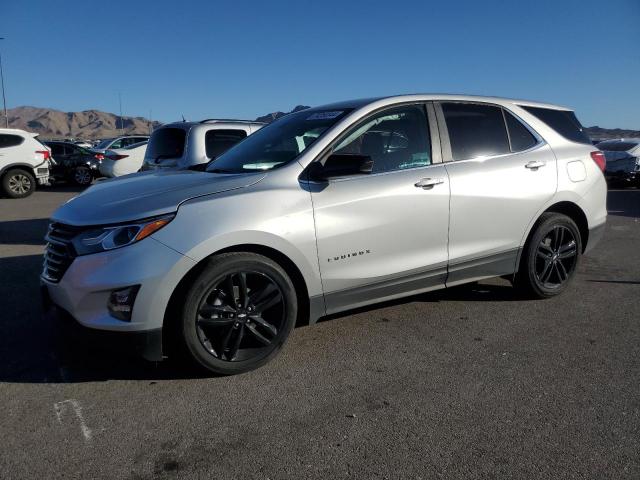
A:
x: 73, y: 163
x: 623, y: 161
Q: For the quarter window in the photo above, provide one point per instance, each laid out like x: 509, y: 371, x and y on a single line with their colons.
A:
x: 219, y: 141
x: 519, y: 136
x: 475, y: 130
x: 395, y: 139
x: 562, y: 121
x: 7, y: 141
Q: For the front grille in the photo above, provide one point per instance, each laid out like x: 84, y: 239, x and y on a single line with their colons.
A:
x: 59, y: 252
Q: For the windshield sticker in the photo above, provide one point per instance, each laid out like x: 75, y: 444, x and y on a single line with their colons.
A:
x: 325, y: 115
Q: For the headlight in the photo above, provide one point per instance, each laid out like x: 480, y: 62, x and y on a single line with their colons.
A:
x: 107, y: 238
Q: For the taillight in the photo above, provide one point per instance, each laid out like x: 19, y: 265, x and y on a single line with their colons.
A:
x: 99, y: 156
x: 600, y: 159
x: 45, y: 153
x: 116, y: 157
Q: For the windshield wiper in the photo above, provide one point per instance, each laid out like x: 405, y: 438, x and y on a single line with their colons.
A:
x: 220, y: 170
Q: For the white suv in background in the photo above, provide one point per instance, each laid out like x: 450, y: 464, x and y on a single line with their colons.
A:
x: 24, y: 161
x: 191, y: 145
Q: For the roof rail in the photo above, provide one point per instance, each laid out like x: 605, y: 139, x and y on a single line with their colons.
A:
x: 213, y: 120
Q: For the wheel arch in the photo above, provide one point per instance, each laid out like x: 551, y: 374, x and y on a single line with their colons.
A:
x: 17, y: 166
x: 170, y: 322
x: 565, y: 207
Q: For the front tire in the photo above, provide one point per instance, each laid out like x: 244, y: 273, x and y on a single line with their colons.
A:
x: 550, y: 258
x: 18, y: 183
x: 238, y: 313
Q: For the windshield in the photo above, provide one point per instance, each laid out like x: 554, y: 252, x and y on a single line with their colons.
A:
x: 278, y: 143
x: 104, y: 143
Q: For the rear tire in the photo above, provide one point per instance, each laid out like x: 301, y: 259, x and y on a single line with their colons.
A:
x: 550, y: 257
x: 18, y: 183
x: 82, y: 176
x: 238, y: 313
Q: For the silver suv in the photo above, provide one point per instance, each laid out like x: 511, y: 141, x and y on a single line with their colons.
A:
x: 191, y: 145
x: 326, y: 210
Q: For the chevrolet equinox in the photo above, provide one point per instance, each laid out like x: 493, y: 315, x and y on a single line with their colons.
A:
x: 325, y: 210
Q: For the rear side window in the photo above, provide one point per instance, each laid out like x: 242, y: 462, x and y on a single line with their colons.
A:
x: 7, y: 141
x: 57, y: 149
x: 475, y: 130
x: 219, y: 141
x: 563, y: 122
x: 520, y: 137
x: 166, y: 143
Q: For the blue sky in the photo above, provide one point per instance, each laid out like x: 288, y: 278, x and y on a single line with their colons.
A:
x: 244, y: 58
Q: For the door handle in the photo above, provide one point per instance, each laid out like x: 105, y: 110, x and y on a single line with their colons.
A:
x: 428, y: 183
x: 535, y: 164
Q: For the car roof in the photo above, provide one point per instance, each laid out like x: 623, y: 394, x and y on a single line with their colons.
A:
x: 209, y: 121
x: 358, y: 103
x: 17, y: 131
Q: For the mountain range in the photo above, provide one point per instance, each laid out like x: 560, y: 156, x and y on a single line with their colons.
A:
x: 94, y: 124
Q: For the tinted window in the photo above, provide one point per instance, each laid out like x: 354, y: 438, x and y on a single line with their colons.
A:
x: 56, y: 149
x: 278, y: 143
x: 617, y: 146
x: 7, y: 141
x: 519, y: 136
x: 219, y: 141
x: 562, y: 121
x: 166, y: 143
x: 395, y: 139
x: 104, y: 144
x: 475, y: 130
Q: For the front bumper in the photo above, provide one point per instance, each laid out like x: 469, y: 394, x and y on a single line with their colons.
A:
x: 84, y: 289
x: 147, y: 344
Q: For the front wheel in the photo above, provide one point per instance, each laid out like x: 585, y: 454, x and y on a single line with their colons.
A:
x: 550, y: 257
x: 238, y: 313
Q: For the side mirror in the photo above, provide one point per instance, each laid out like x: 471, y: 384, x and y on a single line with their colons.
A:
x: 341, y: 165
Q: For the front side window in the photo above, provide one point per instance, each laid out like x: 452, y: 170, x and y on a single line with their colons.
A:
x: 7, y: 141
x: 219, y: 141
x: 395, y: 139
x: 475, y: 130
x: 278, y: 143
x: 57, y: 150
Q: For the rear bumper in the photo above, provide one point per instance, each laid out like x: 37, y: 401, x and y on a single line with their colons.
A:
x: 595, y: 235
x: 147, y: 344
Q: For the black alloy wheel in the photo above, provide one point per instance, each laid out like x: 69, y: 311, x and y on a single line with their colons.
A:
x: 557, y: 256
x: 550, y: 257
x: 238, y: 313
x: 240, y: 316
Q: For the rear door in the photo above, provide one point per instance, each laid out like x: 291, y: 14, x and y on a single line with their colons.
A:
x: 384, y: 234
x: 501, y: 174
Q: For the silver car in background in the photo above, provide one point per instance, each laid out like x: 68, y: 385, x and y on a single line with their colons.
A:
x: 325, y: 210
x: 623, y: 161
x: 192, y: 145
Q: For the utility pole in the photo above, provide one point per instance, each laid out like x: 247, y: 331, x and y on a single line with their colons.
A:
x: 4, y: 99
x: 150, y: 121
x: 121, y: 122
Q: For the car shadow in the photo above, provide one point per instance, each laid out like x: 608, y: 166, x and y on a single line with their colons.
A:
x: 23, y: 232
x: 624, y: 202
x: 32, y: 350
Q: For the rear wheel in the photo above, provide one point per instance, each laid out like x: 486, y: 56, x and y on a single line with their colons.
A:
x: 18, y: 183
x: 82, y: 176
x: 551, y: 256
x: 238, y: 313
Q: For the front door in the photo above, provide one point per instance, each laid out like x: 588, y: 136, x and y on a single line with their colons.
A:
x: 384, y: 235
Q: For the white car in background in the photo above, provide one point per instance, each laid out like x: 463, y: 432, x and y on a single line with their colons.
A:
x: 118, y: 142
x: 24, y: 161
x: 123, y: 161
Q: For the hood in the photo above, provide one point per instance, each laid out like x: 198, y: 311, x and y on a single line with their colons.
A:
x: 143, y: 195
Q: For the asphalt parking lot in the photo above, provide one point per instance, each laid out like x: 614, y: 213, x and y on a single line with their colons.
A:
x: 467, y: 383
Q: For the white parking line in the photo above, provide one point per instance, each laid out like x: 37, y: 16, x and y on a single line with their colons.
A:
x: 61, y: 407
